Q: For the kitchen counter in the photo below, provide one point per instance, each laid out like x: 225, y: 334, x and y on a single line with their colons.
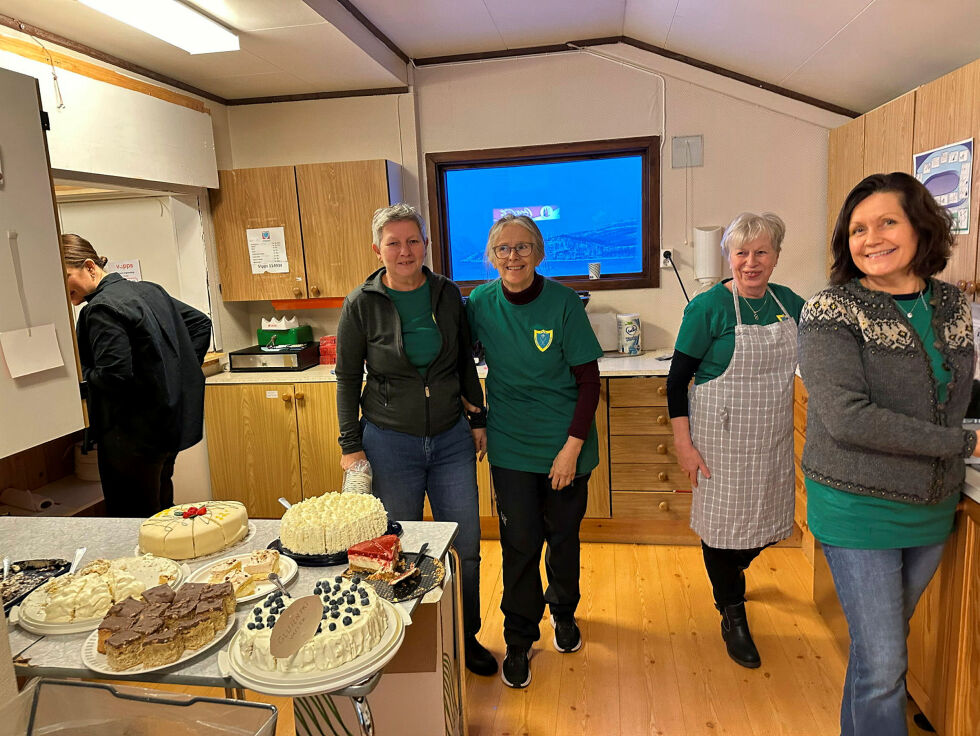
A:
x: 611, y: 365
x: 972, y: 488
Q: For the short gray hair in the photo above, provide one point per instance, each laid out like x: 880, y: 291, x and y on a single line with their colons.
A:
x: 395, y: 213
x: 748, y: 226
x: 537, y: 239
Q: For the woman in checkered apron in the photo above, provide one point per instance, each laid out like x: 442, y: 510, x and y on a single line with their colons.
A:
x: 735, y: 439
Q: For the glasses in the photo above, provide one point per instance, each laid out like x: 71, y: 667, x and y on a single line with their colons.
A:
x: 504, y: 251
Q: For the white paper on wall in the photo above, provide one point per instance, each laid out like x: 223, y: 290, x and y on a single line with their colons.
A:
x: 267, y: 249
x: 31, y: 350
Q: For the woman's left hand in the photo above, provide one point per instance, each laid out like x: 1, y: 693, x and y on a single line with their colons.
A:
x: 563, y: 468
x: 480, y: 442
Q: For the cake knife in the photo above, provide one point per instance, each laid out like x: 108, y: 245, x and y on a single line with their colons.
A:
x: 79, y: 554
x: 285, y: 504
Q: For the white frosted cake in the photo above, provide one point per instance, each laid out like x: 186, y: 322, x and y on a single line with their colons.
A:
x: 353, y: 623
x: 332, y: 522
x: 194, y: 529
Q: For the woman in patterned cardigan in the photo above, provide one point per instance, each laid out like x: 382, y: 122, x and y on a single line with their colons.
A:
x: 886, y: 353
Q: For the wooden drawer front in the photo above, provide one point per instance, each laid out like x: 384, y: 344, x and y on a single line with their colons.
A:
x: 651, y: 391
x: 648, y: 477
x: 799, y: 416
x: 658, y: 506
x: 639, y: 420
x: 642, y: 449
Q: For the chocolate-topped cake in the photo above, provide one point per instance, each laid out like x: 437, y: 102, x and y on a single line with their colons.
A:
x: 147, y: 625
x: 159, y: 594
x: 112, y: 625
x: 181, y: 611
x: 197, y: 632
x: 162, y: 647
x: 129, y: 608
x: 214, y: 609
x: 223, y: 591
x: 190, y: 591
x: 155, y: 610
x: 122, y: 649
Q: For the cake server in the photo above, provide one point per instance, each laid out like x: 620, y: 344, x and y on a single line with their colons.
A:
x: 79, y: 554
x: 274, y: 579
x: 420, y: 554
x: 6, y: 567
x: 285, y: 504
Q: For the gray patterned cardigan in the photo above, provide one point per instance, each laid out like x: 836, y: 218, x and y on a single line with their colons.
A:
x: 875, y: 425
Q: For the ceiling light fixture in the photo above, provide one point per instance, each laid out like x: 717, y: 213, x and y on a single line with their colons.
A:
x: 170, y: 21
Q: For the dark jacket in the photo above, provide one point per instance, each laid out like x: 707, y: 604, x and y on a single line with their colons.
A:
x: 141, y: 352
x: 396, y: 396
x: 875, y: 425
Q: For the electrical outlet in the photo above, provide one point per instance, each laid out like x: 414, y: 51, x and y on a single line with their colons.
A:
x: 664, y: 261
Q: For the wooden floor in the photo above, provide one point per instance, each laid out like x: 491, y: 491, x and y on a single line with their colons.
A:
x: 653, y: 661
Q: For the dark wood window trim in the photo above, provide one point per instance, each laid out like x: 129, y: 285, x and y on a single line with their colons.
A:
x: 647, y: 147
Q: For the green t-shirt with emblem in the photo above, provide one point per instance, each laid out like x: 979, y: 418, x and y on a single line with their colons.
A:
x: 531, y: 391
x: 420, y: 333
x: 867, y: 522
x: 708, y: 328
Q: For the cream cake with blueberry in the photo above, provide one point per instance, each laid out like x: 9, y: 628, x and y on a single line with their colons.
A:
x: 353, y: 622
x: 332, y: 522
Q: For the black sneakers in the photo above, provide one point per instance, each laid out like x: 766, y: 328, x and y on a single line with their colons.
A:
x: 479, y: 660
x: 516, y: 670
x: 567, y: 636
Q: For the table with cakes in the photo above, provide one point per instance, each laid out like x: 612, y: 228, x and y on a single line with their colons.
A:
x: 310, y: 605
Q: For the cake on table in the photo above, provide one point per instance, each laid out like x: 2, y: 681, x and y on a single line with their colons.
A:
x: 194, y: 529
x: 243, y: 573
x: 332, y: 522
x: 375, y: 555
x: 353, y: 623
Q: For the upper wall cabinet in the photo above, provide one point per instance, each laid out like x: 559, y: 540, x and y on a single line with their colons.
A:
x: 888, y: 136
x: 845, y: 169
x: 325, y: 212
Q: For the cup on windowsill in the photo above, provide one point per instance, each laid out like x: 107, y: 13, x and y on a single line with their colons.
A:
x: 595, y: 270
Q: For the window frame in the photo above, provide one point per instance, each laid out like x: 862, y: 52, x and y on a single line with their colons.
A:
x: 647, y: 147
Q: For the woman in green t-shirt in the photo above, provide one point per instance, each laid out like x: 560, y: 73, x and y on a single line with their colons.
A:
x: 735, y: 441
x: 542, y: 394
x: 886, y: 353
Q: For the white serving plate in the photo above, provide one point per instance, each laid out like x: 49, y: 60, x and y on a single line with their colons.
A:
x: 231, y: 664
x: 214, y: 555
x: 28, y: 615
x: 288, y: 569
x: 99, y: 663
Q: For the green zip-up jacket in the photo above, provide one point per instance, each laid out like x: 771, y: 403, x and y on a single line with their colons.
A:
x: 396, y: 395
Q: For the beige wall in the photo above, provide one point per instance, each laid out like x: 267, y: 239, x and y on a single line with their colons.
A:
x: 762, y: 151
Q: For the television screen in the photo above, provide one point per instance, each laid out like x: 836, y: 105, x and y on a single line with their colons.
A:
x: 588, y: 210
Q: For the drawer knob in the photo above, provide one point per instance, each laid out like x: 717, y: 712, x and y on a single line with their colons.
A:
x: 971, y: 287
x: 662, y: 477
x: 662, y: 419
x: 315, y: 290
x: 662, y: 390
x: 287, y: 398
x: 664, y: 506
x: 661, y: 449
x: 300, y: 396
x: 297, y: 291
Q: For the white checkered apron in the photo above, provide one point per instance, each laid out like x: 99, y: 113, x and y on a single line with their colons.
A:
x: 742, y: 424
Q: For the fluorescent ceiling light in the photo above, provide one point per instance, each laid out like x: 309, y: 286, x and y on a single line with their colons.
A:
x: 170, y: 21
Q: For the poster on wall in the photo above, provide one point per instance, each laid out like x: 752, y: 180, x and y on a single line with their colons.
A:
x: 267, y: 249
x: 129, y: 270
x: 947, y: 172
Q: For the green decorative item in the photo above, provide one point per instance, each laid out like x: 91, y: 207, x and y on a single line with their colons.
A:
x: 292, y: 336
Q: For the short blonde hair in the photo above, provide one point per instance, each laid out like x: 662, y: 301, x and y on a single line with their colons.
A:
x: 395, y: 213
x: 537, y: 239
x: 748, y: 226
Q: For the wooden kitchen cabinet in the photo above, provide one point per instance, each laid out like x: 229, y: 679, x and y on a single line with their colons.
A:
x: 253, y: 447
x: 845, y: 168
x: 318, y: 429
x: 326, y: 211
x: 888, y: 137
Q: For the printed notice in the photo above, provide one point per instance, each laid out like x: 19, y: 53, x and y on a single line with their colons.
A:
x: 129, y: 270
x: 267, y: 249
x: 947, y: 172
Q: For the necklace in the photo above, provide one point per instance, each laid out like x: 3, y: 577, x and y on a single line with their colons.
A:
x: 756, y: 312
x: 916, y: 303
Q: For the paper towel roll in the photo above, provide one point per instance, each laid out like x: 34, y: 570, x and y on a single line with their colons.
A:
x: 25, y: 500
x: 707, y: 252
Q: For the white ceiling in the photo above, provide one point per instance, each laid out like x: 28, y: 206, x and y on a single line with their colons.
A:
x: 853, y: 53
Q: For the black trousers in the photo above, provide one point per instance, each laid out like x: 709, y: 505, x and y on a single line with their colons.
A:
x: 726, y: 571
x: 135, y: 484
x: 531, y: 515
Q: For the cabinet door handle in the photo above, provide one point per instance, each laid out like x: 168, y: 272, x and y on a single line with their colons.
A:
x: 662, y: 390
x: 971, y: 287
x: 664, y: 506
x: 662, y: 477
x: 961, y: 285
x: 299, y: 395
x: 662, y: 419
x: 287, y: 398
x: 297, y: 291
x: 661, y: 449
x: 315, y: 290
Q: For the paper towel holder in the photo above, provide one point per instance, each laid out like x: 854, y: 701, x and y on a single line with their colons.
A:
x: 707, y: 254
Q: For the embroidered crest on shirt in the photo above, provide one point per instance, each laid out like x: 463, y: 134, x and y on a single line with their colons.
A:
x: 542, y: 339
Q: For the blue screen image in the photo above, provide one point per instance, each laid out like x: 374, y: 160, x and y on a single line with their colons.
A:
x: 588, y: 211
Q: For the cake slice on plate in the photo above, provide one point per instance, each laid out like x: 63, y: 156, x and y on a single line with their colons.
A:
x: 375, y: 555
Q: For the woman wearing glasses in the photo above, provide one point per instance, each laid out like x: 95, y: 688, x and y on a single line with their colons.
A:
x: 542, y: 389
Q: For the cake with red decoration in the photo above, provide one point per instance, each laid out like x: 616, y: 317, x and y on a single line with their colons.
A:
x: 194, y: 529
x: 375, y: 555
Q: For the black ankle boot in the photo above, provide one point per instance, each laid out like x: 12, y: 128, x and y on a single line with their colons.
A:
x: 479, y: 660
x: 738, y: 639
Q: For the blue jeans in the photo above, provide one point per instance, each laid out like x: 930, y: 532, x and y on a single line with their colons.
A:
x: 878, y: 590
x: 406, y: 467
